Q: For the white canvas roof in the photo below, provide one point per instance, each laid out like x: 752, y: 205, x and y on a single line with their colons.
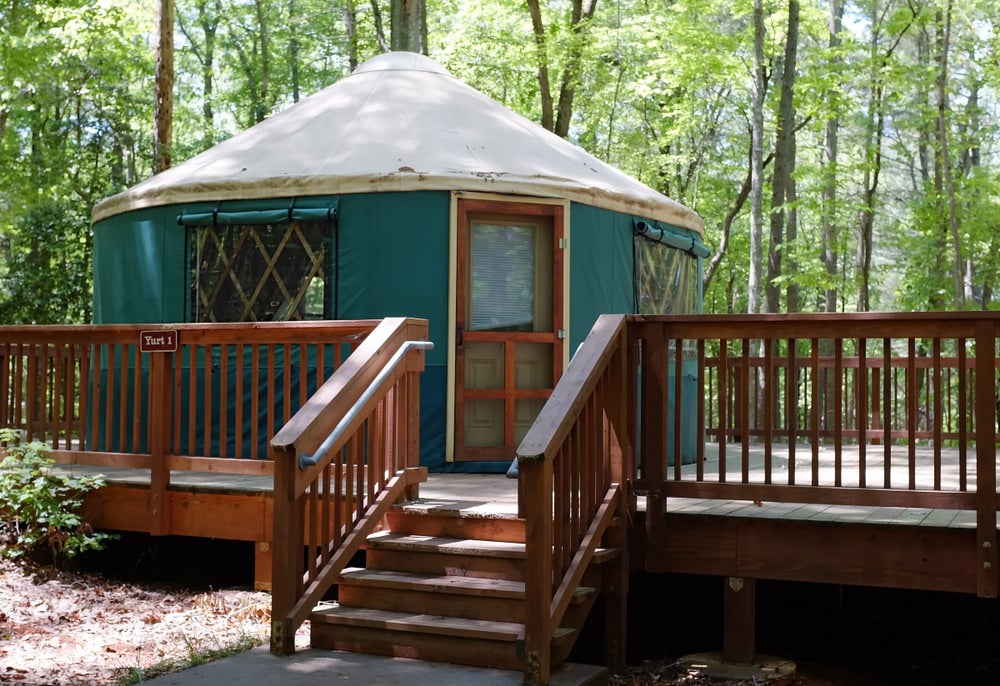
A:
x: 400, y: 122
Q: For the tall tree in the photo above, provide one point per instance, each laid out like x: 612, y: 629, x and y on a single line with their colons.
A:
x: 882, y: 49
x: 759, y: 80
x: 557, y: 114
x: 831, y: 140
x: 206, y: 19
x: 164, y: 117
x: 783, y: 214
x: 944, y: 184
x: 409, y: 25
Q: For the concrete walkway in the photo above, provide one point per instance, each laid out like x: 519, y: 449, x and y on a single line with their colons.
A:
x: 312, y: 667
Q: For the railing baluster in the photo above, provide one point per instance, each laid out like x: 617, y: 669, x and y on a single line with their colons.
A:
x: 702, y: 400
x: 938, y: 392
x: 748, y: 399
x: 839, y: 381
x: 791, y: 407
x: 863, y: 419
x: 223, y: 401
x: 255, y: 391
x: 238, y: 408
x: 209, y: 429
x: 270, y: 426
x: 677, y: 421
x: 912, y: 388
x: 815, y: 407
x: 723, y: 399
x: 963, y: 417
x: 768, y: 400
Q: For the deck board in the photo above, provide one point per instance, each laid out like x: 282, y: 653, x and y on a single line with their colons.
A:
x: 492, y: 495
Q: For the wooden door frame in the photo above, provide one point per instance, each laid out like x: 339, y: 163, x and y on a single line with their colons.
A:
x: 503, y: 204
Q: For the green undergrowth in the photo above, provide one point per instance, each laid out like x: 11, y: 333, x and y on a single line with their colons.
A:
x: 39, y: 507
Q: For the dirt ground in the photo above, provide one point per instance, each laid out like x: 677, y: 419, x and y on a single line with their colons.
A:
x: 59, y: 628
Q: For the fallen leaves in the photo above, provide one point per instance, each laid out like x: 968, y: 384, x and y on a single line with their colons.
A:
x: 66, y: 630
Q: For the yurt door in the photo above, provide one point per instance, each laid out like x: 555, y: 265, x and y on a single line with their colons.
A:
x: 510, y: 331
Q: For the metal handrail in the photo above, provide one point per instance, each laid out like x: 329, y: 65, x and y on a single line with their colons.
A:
x: 306, y: 460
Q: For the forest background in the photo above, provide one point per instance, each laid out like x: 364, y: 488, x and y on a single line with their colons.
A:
x: 843, y: 154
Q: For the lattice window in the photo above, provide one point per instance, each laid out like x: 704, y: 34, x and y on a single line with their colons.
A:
x: 260, y: 272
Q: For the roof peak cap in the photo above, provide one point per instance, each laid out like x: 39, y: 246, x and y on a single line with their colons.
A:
x: 401, y: 61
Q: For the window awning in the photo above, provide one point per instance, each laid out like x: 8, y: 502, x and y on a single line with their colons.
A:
x: 682, y: 239
x: 262, y: 216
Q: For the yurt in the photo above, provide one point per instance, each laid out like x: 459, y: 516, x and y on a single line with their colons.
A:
x: 402, y: 191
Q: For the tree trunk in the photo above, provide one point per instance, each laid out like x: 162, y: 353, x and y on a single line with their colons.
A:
x: 782, y: 188
x: 583, y: 12
x: 163, y: 119
x: 557, y: 118
x: 379, y: 27
x: 873, y: 157
x: 350, y: 14
x: 828, y: 221
x: 207, y: 21
x: 409, y: 26
x: 293, y: 49
x: 542, y: 61
x: 756, y: 162
x: 788, y: 134
x: 265, y: 60
x: 944, y: 180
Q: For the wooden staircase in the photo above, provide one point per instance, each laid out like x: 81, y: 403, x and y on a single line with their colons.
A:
x: 445, y: 586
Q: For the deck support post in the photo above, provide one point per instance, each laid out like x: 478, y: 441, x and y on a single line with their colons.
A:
x: 262, y: 566
x: 986, y: 460
x: 160, y: 368
x: 739, y: 635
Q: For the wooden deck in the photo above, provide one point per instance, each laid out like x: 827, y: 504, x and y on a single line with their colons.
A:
x: 495, y: 495
x: 950, y: 477
x: 843, y: 449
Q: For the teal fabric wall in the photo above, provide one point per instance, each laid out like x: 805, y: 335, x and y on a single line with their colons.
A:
x: 393, y: 261
x: 600, y: 269
x: 139, y: 268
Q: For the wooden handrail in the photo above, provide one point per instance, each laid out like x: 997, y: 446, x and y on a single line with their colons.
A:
x: 328, y: 508
x: 608, y: 417
x: 571, y: 465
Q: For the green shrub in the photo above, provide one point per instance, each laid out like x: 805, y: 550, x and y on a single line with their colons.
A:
x: 39, y: 508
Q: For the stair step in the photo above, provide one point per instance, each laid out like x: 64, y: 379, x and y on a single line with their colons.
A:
x: 461, y: 585
x: 446, y: 545
x: 451, y: 519
x: 425, y: 637
x: 421, y: 623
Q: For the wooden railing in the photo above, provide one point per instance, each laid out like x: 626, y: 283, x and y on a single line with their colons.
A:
x: 811, y: 385
x: 630, y: 418
x: 572, y: 466
x: 194, y: 397
x: 341, y: 462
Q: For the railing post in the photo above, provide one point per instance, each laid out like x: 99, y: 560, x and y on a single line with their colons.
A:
x: 535, y: 476
x: 158, y: 422
x: 287, y: 552
x: 652, y: 428
x: 986, y: 460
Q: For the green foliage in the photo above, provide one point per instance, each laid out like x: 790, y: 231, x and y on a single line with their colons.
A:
x: 663, y: 92
x: 39, y: 509
x: 45, y: 278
